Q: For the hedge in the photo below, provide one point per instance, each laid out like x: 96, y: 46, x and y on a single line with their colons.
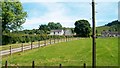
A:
x: 27, y: 38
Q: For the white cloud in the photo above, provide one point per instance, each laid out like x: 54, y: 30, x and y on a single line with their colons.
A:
x: 56, y: 13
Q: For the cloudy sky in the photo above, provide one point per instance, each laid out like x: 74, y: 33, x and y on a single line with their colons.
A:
x: 67, y: 12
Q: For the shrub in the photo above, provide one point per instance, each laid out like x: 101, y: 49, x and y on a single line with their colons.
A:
x: 27, y: 38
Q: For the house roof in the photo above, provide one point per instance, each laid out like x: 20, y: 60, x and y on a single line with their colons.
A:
x: 56, y: 30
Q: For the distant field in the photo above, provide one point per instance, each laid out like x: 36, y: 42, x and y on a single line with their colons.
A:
x: 72, y: 53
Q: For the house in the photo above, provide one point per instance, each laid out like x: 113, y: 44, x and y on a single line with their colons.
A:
x: 56, y: 32
x: 110, y: 34
x: 68, y: 32
x: 61, y: 32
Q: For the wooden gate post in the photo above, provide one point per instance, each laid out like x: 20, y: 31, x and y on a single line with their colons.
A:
x: 39, y: 43
x: 44, y: 42
x: 54, y: 40
x: 66, y: 39
x: 50, y: 41
x: 6, y: 64
x: 84, y: 65
x: 22, y: 49
x: 60, y: 66
x: 31, y: 45
x: 58, y: 40
x: 33, y: 64
x: 10, y: 50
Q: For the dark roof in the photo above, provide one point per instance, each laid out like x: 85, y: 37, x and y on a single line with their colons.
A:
x: 56, y: 30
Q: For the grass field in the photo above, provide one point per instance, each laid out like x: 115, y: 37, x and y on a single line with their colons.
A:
x: 72, y: 53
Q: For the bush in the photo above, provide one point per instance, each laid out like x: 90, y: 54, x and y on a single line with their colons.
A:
x: 27, y: 38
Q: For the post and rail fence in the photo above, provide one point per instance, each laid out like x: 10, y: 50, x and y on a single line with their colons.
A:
x: 22, y: 48
x: 33, y: 66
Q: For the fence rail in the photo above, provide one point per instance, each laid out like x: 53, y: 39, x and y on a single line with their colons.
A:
x: 30, y: 47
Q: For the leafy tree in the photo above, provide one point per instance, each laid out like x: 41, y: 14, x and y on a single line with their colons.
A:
x: 12, y: 15
x: 114, y: 25
x: 45, y: 28
x: 82, y: 28
x: 116, y: 22
x: 58, y: 26
x: 53, y: 25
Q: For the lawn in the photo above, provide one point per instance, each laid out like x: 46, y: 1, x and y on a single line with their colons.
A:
x: 72, y: 53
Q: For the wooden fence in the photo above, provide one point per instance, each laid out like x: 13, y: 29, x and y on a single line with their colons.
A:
x: 33, y: 65
x: 46, y: 42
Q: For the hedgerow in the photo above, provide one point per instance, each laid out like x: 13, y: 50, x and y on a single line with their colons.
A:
x: 12, y: 39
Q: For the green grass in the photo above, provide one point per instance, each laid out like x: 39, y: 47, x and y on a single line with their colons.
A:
x: 72, y: 53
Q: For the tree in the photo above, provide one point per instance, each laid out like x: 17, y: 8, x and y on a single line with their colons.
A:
x: 82, y: 28
x: 45, y: 28
x: 54, y: 26
x: 12, y: 15
x: 113, y: 25
x: 58, y: 26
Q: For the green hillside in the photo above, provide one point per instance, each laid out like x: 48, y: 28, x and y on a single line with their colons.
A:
x: 101, y: 28
x: 113, y: 26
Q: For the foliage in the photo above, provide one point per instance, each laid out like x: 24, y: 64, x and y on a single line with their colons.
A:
x: 45, y: 28
x: 54, y: 26
x: 82, y: 28
x: 17, y: 38
x: 116, y: 22
x: 13, y: 15
x: 112, y: 26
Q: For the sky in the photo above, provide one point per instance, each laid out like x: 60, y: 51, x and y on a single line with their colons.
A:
x: 67, y: 12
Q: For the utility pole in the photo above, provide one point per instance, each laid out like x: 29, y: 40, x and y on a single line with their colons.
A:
x: 93, y: 36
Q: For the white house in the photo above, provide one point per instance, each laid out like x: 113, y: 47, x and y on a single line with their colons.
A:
x: 68, y: 32
x: 56, y: 32
x: 61, y: 32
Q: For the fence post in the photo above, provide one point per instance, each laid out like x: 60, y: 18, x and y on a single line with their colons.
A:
x: 44, y: 42
x: 84, y: 65
x: 22, y: 47
x: 50, y: 41
x: 6, y: 64
x: 39, y: 43
x: 61, y: 39
x: 31, y: 45
x: 33, y: 64
x: 58, y: 40
x: 60, y: 66
x: 10, y: 50
x: 54, y: 40
x: 66, y: 39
